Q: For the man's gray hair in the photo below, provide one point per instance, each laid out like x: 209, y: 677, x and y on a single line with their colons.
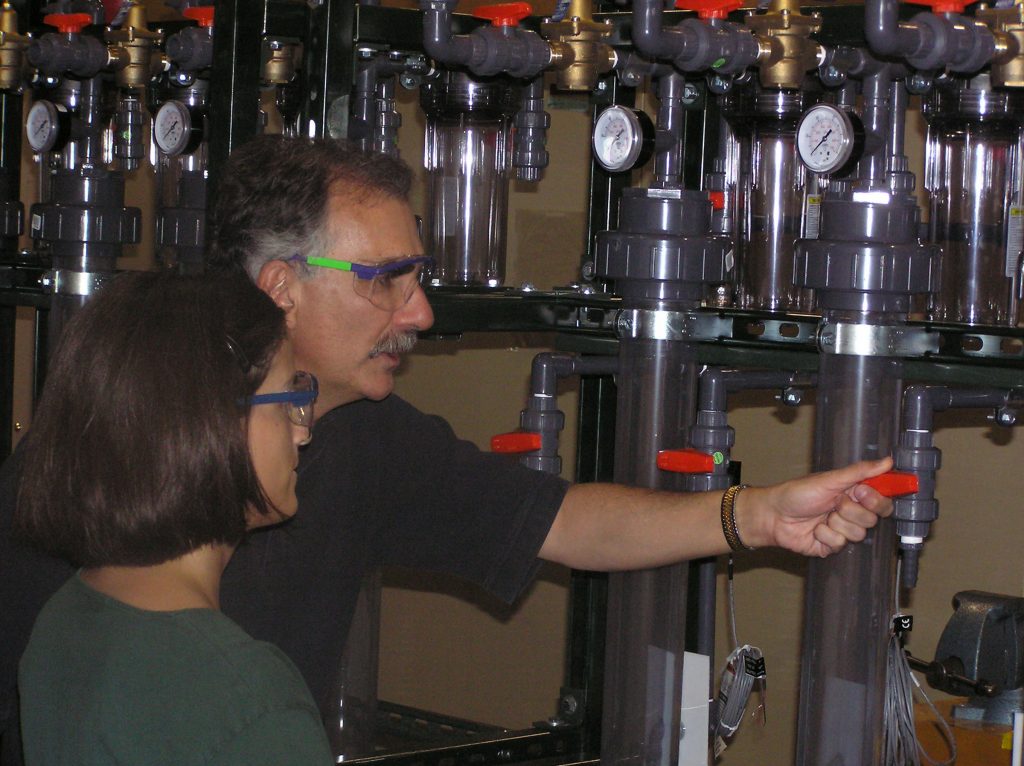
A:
x: 273, y: 196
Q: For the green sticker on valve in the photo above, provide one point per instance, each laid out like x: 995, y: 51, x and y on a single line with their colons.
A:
x: 718, y: 63
x: 718, y: 457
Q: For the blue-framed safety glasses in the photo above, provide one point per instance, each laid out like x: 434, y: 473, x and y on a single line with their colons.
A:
x: 297, y: 400
x: 388, y: 285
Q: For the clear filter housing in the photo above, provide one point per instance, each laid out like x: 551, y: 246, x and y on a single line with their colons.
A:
x: 181, y: 202
x: 467, y: 155
x: 849, y: 599
x: 646, y: 628
x: 973, y: 177
x: 778, y: 200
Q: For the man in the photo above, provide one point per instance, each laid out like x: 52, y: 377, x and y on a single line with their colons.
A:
x: 328, y: 233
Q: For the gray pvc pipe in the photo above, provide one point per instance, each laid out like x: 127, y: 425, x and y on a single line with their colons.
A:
x: 668, y: 162
x: 921, y: 402
x: 438, y: 41
x: 876, y: 117
x: 648, y: 36
x: 886, y: 36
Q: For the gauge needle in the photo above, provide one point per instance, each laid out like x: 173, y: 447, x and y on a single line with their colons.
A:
x: 42, y: 126
x: 823, y: 139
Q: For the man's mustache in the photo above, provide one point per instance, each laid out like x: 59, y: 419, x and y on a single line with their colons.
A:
x: 397, y: 343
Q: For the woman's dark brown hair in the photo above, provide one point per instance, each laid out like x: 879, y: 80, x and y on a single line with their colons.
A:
x: 138, y: 452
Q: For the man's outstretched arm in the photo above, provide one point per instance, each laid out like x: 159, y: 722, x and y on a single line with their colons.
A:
x: 607, y: 527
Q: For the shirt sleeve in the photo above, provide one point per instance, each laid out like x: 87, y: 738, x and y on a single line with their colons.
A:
x: 286, y: 737
x: 448, y: 506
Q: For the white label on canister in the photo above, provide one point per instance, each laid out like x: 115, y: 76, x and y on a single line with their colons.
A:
x: 812, y: 216
x: 1014, y: 239
x: 37, y: 222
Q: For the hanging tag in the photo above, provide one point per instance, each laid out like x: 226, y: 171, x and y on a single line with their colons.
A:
x: 902, y: 623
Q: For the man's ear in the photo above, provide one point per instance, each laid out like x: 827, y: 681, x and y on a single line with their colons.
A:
x: 278, y: 280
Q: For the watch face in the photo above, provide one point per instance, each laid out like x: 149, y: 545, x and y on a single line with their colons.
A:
x: 618, y: 137
x: 172, y: 128
x: 43, y: 126
x: 825, y: 138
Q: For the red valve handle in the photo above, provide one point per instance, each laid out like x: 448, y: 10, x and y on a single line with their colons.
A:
x: 943, y: 6
x: 709, y: 9
x: 894, y: 484
x: 201, y: 14
x: 68, y: 22
x: 685, y: 461
x: 504, y: 14
x: 516, y: 442
x: 717, y: 199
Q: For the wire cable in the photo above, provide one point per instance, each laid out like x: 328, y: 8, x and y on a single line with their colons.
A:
x: 744, y: 668
x: 901, y: 745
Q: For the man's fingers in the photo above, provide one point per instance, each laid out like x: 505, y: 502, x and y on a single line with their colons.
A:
x: 857, y: 513
x: 858, y: 472
x: 850, y: 530
x: 832, y: 540
x: 872, y: 500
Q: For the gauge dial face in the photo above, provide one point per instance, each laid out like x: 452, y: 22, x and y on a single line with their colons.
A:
x: 825, y: 138
x: 43, y: 127
x: 618, y: 139
x: 172, y: 128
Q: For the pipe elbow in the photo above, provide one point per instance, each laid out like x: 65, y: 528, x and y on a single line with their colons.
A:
x: 883, y: 32
x: 648, y: 37
x: 917, y: 408
x: 438, y: 41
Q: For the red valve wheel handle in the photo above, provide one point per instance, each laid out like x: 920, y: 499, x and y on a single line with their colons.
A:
x: 68, y: 22
x: 504, y: 14
x: 942, y: 6
x: 201, y: 14
x: 709, y: 9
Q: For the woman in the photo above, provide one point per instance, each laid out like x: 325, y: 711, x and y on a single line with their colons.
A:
x: 169, y: 426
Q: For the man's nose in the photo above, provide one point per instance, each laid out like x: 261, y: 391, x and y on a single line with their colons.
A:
x: 416, y: 314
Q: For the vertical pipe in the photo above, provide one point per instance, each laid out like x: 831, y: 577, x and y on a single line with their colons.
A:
x: 668, y: 162
x: 872, y: 166
x: 647, y: 609
x: 842, y: 687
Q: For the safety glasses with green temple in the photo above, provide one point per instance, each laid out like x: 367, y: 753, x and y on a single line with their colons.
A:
x: 388, y: 285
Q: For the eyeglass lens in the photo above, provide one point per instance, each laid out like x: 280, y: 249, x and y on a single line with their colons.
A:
x: 392, y: 290
x: 301, y: 414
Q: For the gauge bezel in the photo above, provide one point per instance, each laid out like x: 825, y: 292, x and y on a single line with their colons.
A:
x: 849, y: 140
x: 191, y: 135
x: 641, y: 138
x: 60, y: 129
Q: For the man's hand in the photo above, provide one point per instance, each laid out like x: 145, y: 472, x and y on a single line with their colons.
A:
x: 816, y: 515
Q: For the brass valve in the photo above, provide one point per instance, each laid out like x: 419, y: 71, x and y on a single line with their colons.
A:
x: 281, y: 59
x: 12, y: 49
x: 1007, y: 25
x: 134, y: 51
x: 787, y: 51
x: 579, y: 55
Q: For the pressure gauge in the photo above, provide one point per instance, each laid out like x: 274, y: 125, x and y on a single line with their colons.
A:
x: 48, y: 126
x: 177, y: 129
x: 826, y: 137
x: 623, y: 139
